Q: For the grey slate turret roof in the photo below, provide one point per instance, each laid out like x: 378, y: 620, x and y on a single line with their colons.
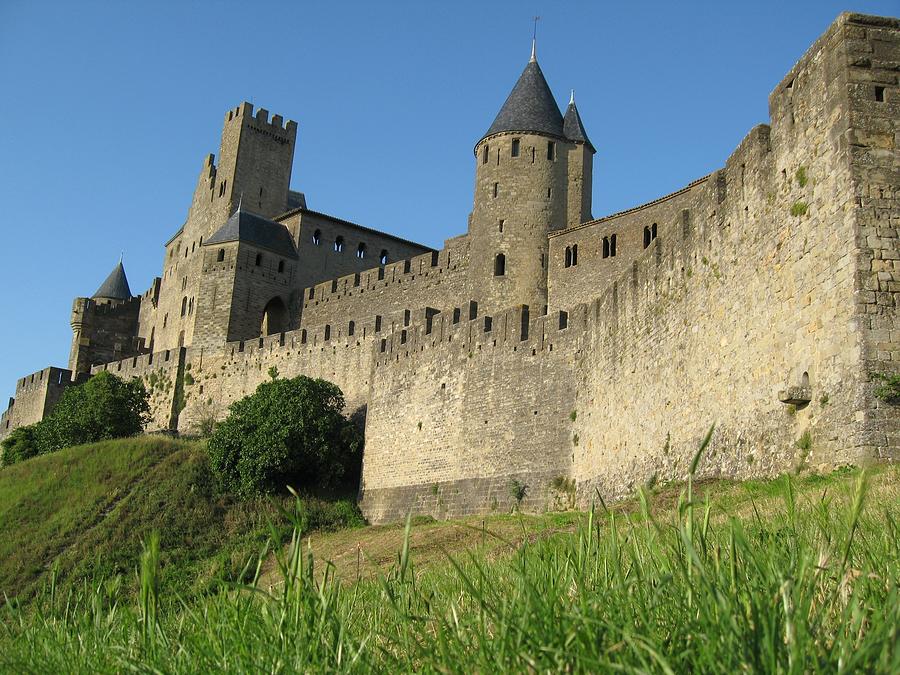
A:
x: 573, y: 128
x: 530, y: 106
x: 116, y: 285
x: 256, y: 230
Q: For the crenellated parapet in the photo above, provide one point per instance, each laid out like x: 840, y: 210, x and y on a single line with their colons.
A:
x: 103, y: 331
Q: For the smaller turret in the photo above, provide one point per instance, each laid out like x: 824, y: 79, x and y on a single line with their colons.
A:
x: 105, y: 326
x: 581, y: 167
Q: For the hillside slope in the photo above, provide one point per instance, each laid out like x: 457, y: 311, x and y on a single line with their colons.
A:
x: 87, y: 510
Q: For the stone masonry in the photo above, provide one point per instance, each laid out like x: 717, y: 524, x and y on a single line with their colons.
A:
x: 544, y: 356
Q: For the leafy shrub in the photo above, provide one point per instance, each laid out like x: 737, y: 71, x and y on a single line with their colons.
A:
x: 21, y: 443
x: 889, y: 389
x: 102, y: 408
x: 288, y: 432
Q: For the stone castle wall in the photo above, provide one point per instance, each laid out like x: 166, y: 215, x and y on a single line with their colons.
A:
x: 459, y: 412
x: 589, y: 257
x: 439, y: 279
x: 316, y: 235
x: 758, y: 290
x: 36, y: 395
x: 162, y: 374
x: 873, y: 143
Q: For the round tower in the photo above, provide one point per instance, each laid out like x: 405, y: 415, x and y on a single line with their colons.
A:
x: 522, y: 182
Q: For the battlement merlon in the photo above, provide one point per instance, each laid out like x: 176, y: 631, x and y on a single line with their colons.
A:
x: 245, y: 112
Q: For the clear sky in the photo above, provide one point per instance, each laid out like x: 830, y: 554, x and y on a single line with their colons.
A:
x: 107, y: 110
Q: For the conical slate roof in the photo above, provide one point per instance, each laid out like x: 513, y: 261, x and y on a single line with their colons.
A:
x: 530, y: 106
x: 116, y: 285
x: 573, y: 128
x: 256, y: 230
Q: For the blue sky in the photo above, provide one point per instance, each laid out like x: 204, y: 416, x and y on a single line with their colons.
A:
x: 108, y: 110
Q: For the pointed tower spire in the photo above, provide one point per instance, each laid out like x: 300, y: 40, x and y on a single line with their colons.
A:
x: 533, y: 58
x: 573, y: 128
x: 530, y: 106
x: 116, y: 285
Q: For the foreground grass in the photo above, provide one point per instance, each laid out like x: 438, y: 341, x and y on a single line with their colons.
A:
x: 792, y: 576
x: 84, y: 513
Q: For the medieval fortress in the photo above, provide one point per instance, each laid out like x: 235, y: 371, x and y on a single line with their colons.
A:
x: 569, y: 354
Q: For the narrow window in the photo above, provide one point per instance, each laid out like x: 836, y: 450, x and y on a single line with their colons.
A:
x: 317, y: 237
x: 327, y: 332
x: 612, y: 245
x: 605, y: 247
x: 312, y: 293
x: 456, y: 315
x: 193, y: 247
x: 501, y: 225
x: 221, y: 256
x: 499, y: 265
x: 532, y: 155
x: 549, y: 192
x: 574, y: 255
x: 653, y: 232
x: 303, y: 337
x: 260, y: 192
x: 406, y: 317
x: 515, y: 148
x: 258, y: 259
x: 383, y: 257
x: 280, y: 266
x: 402, y: 337
x: 646, y: 236
x: 568, y: 262
x: 879, y: 94
x: 339, y: 245
x: 361, y: 251
x: 484, y: 154
x: 377, y: 323
x: 351, y: 328
x: 496, y: 189
x: 183, y: 306
x: 551, y: 150
x: 165, y: 320
x: 473, y: 310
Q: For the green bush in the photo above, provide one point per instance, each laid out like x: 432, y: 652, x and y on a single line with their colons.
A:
x: 289, y: 432
x: 21, y: 443
x: 100, y: 409
x: 889, y: 389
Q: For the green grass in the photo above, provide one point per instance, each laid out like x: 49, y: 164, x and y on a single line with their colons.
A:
x: 791, y: 575
x: 86, y: 512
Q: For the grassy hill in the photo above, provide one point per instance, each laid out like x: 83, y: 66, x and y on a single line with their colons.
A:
x: 793, y: 574
x: 86, y: 511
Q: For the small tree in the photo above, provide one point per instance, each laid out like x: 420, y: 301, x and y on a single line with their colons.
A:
x: 104, y: 407
x: 21, y: 443
x: 289, y: 432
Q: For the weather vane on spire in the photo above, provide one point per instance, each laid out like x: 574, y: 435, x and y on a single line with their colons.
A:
x: 534, y: 39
